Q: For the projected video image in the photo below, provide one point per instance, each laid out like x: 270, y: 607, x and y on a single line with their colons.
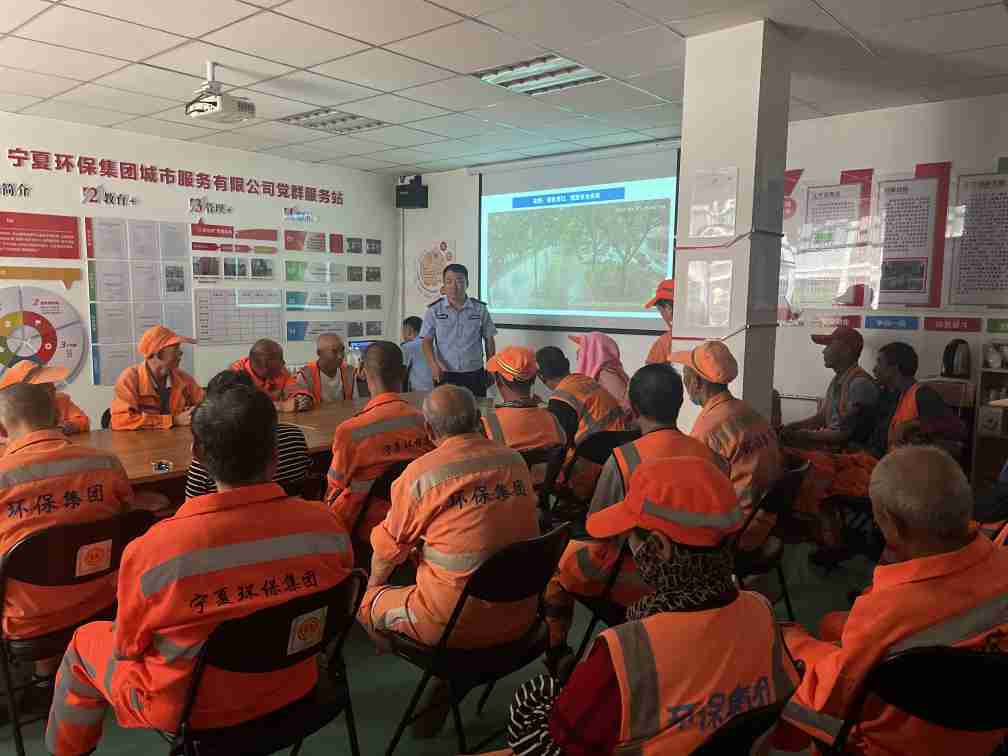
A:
x: 596, y: 250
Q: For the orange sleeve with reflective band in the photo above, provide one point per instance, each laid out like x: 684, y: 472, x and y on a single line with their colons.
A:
x: 340, y: 475
x: 127, y: 405
x: 69, y: 416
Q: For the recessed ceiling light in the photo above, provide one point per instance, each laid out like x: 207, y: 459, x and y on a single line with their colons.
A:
x: 542, y: 75
x: 332, y: 121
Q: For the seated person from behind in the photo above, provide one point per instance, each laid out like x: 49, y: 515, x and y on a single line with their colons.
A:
x: 292, y: 462
x: 329, y: 378
x: 656, y: 394
x: 69, y: 417
x: 387, y: 430
x: 155, y: 393
x: 598, y: 357
x: 520, y: 421
x: 734, y: 431
x: 946, y: 586
x: 418, y: 373
x: 583, y: 408
x: 266, y: 367
x: 848, y: 410
x: 693, y: 653
x: 459, y: 504
x: 222, y: 556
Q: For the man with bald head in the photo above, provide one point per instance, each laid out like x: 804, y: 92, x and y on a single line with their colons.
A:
x: 947, y: 585
x: 387, y: 431
x: 329, y: 378
x: 465, y: 500
x: 266, y: 367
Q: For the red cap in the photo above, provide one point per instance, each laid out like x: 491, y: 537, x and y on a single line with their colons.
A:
x: 842, y: 334
x: 712, y: 360
x: 157, y: 338
x: 665, y: 290
x: 514, y: 363
x: 27, y: 371
x: 687, y: 498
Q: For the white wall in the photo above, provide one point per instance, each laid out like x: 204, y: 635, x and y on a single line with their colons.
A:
x: 368, y: 211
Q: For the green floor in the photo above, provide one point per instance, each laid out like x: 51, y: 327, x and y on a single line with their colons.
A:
x: 381, y: 685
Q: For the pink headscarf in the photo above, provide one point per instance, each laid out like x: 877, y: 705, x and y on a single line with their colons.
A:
x: 597, y: 351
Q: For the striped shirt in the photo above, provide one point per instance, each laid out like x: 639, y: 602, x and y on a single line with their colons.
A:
x: 292, y: 464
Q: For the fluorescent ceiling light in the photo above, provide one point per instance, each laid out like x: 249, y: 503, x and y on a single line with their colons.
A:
x: 547, y: 73
x: 333, y: 121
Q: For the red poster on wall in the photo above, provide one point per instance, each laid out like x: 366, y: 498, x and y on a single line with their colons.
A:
x: 336, y: 244
x: 210, y: 229
x: 259, y: 234
x: 968, y: 325
x: 39, y: 236
x: 304, y: 241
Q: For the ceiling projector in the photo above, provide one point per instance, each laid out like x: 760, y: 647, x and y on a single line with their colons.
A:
x: 210, y: 104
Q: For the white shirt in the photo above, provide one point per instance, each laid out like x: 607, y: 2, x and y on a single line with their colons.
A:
x: 331, y: 388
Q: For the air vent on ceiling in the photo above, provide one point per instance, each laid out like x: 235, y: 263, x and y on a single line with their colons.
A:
x: 333, y: 121
x: 542, y: 75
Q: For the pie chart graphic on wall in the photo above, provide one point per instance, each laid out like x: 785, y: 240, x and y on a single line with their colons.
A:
x: 39, y: 325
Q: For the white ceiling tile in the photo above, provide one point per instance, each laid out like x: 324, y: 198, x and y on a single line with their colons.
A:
x: 313, y: 88
x: 163, y: 128
x: 16, y: 12
x: 280, y: 133
x: 376, y: 21
x: 269, y: 35
x: 976, y: 64
x: 232, y: 67
x: 454, y: 126
x: 98, y: 34
x: 871, y: 14
x: 60, y: 61
x: 439, y: 166
x: 177, y: 115
x: 15, y: 81
x: 550, y: 148
x: 966, y: 30
x: 790, y: 14
x: 143, y: 79
x: 237, y: 141
x: 116, y: 99
x: 344, y: 145
x: 399, y: 136
x: 12, y: 102
x: 381, y: 69
x: 460, y: 93
x: 497, y: 156
x: 576, y: 128
x: 360, y: 163
x: 296, y: 152
x: 622, y: 137
x: 962, y: 89
x: 679, y: 9
x: 523, y: 111
x: 393, y: 109
x: 475, y: 7
x: 397, y: 170
x: 265, y: 3
x: 403, y: 155
x: 449, y: 149
x: 563, y: 24
x: 72, y: 111
x: 645, y: 118
x: 269, y: 106
x: 800, y: 111
x: 665, y: 132
x: 666, y: 82
x: 635, y: 52
x: 504, y: 139
x: 190, y: 18
x: 603, y: 97
x: 467, y: 47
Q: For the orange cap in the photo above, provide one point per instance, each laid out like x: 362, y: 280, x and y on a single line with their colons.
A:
x: 712, y: 359
x: 665, y: 290
x: 27, y: 371
x: 686, y: 498
x: 841, y: 333
x: 157, y: 338
x: 514, y: 363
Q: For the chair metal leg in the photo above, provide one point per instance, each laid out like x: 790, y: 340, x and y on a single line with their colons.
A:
x: 486, y: 695
x: 11, y: 703
x: 587, y: 636
x: 409, y: 713
x: 784, y: 591
x: 351, y: 726
x: 297, y: 748
x: 459, y: 731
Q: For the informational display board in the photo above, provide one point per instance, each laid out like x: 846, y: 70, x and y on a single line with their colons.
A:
x: 906, y: 209
x: 238, y: 316
x: 980, y: 265
x: 39, y: 236
x: 39, y: 325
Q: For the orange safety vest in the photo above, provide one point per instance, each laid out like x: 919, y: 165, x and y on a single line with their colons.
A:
x: 659, y: 352
x: 682, y: 675
x: 464, y: 501
x: 69, y: 414
x: 283, y: 387
x: 137, y: 404
x: 47, y: 481
x: 309, y: 377
x: 906, y: 412
x: 840, y: 386
x: 523, y: 427
x: 221, y: 556
x: 388, y: 430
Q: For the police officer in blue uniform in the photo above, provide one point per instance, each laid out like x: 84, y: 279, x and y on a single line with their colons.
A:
x: 456, y: 330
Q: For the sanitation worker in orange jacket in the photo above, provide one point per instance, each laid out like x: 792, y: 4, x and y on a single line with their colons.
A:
x: 329, y: 378
x: 664, y: 300
x: 223, y: 555
x: 266, y: 367
x: 70, y: 418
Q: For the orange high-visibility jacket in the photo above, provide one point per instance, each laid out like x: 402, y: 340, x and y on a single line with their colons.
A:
x: 523, y: 427
x: 955, y: 599
x: 906, y: 412
x: 682, y: 675
x: 309, y: 377
x: 465, y: 500
x: 585, y: 565
x: 739, y: 434
x: 659, y: 352
x: 137, y: 405
x: 221, y: 556
x: 47, y: 481
x: 69, y: 415
x: 840, y: 386
x: 388, y: 430
x: 278, y: 389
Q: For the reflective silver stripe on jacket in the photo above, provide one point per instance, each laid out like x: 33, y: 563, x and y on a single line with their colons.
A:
x: 694, y: 519
x: 465, y: 561
x: 490, y: 463
x: 962, y: 627
x: 55, y: 468
x: 817, y: 720
x: 171, y: 651
x: 494, y: 424
x: 643, y: 707
x: 385, y: 426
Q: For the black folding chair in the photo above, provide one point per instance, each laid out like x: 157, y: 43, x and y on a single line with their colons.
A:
x: 779, y: 500
x: 603, y: 609
x: 106, y: 419
x: 552, y: 458
x: 930, y: 683
x: 260, y: 643
x: 597, y: 448
x: 515, y: 573
x: 741, y: 733
x: 381, y: 489
x: 58, y: 557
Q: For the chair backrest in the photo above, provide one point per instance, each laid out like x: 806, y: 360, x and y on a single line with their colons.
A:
x: 106, y: 419
x: 65, y: 555
x: 518, y: 571
x: 933, y: 683
x: 599, y: 446
x: 741, y: 732
x: 779, y: 499
x: 552, y: 457
x: 381, y: 489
